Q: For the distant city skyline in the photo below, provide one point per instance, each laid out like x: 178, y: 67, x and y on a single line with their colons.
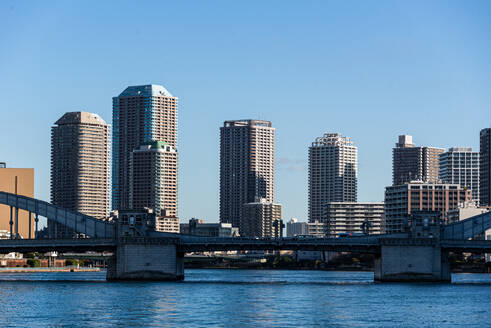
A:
x: 371, y: 71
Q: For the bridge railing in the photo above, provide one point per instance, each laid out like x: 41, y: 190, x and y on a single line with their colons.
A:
x: 78, y: 222
x: 468, y: 228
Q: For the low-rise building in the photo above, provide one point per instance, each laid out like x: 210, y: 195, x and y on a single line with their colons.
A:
x: 464, y: 211
x: 316, y: 229
x: 350, y: 217
x: 402, y: 200
x: 261, y: 219
x: 198, y: 227
x: 295, y: 228
x: 167, y: 223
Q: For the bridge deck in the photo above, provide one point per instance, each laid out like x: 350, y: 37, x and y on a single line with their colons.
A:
x: 58, y: 245
x: 355, y: 244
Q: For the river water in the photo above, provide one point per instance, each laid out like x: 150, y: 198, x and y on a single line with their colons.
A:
x: 243, y: 298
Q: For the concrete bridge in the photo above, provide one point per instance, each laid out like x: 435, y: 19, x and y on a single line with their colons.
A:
x: 141, y: 253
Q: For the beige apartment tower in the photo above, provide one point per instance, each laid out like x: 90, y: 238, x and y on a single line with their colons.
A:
x: 80, y: 164
x: 153, y: 178
x: 246, y: 166
x: 20, y: 182
x: 410, y: 163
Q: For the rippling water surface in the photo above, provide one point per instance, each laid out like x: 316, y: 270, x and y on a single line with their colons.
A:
x: 243, y: 298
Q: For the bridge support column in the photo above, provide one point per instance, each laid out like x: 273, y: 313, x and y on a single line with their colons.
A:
x: 142, y: 259
x: 410, y: 260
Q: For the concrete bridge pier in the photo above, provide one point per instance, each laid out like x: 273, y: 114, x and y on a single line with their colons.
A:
x: 146, y: 259
x: 411, y: 260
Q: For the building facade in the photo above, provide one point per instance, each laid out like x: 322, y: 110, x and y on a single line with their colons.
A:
x: 402, y: 200
x: 464, y: 211
x: 332, y: 173
x: 140, y: 114
x: 80, y: 166
x: 349, y: 217
x: 410, y: 163
x: 167, y: 223
x: 316, y: 229
x: 461, y: 166
x: 261, y: 219
x: 295, y: 228
x: 20, y: 182
x: 153, y: 178
x: 485, y: 167
x: 246, y: 166
x: 198, y: 227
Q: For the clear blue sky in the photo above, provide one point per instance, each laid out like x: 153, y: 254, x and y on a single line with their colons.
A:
x: 370, y: 70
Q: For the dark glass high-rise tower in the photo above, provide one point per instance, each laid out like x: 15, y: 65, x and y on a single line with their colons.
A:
x: 246, y: 166
x: 485, y: 167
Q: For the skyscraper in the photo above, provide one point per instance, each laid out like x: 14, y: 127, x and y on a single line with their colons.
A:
x: 246, y: 166
x: 485, y: 167
x: 80, y: 164
x: 140, y: 114
x: 153, y: 178
x: 332, y: 173
x: 410, y: 163
x: 461, y: 166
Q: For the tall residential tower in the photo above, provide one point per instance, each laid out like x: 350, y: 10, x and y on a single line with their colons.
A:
x: 246, y: 166
x: 141, y: 114
x: 410, y: 163
x: 332, y: 173
x: 153, y: 178
x: 80, y: 164
x: 485, y: 167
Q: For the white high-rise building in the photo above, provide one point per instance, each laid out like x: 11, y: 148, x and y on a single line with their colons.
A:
x: 461, y: 166
x: 332, y: 173
x: 348, y: 217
